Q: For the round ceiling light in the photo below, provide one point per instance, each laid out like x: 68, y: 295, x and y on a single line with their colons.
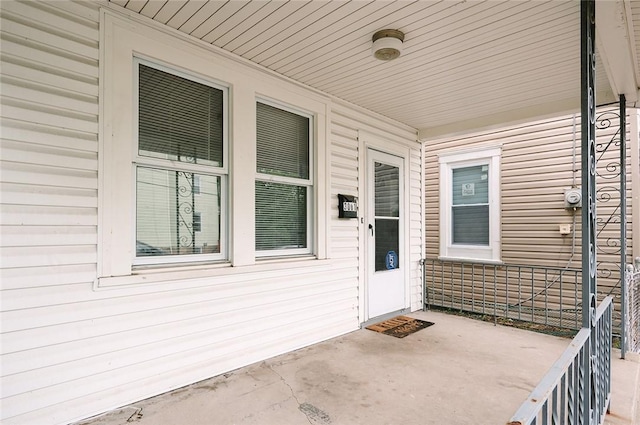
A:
x: 387, y: 44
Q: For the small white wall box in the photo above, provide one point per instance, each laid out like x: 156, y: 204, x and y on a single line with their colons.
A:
x: 573, y: 198
x: 565, y: 229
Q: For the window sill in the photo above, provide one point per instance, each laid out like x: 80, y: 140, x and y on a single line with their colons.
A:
x: 470, y: 260
x: 203, y: 275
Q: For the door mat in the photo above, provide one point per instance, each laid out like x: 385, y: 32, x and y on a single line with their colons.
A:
x: 400, y: 326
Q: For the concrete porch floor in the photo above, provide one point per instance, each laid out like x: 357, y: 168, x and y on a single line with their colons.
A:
x: 459, y: 371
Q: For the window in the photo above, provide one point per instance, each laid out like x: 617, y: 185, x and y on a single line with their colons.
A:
x: 283, y: 188
x: 173, y: 201
x: 179, y: 164
x: 470, y: 205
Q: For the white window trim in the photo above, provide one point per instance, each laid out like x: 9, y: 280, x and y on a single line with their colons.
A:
x: 308, y: 183
x: 448, y: 162
x: 122, y: 37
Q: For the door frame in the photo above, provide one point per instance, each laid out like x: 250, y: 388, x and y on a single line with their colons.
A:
x: 368, y: 141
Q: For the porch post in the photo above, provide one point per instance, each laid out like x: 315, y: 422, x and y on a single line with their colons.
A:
x: 623, y: 223
x: 588, y: 165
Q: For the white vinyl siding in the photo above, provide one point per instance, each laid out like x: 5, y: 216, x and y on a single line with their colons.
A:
x: 72, y: 350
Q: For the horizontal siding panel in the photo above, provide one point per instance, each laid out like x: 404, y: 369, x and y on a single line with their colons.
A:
x: 31, y: 71
x: 20, y: 152
x: 48, y: 55
x: 115, y: 351
x: 45, y: 256
x: 144, y: 373
x: 17, y: 25
x: 74, y: 21
x: 273, y: 283
x: 49, y: 176
x: 32, y: 277
x: 43, y: 236
x: 19, y: 194
x: 21, y: 215
x: 29, y: 91
x: 43, y: 135
x: 16, y: 109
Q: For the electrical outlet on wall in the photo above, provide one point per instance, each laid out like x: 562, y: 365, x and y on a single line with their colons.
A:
x: 565, y: 229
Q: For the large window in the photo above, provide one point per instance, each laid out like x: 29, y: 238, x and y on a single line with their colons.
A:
x: 283, y: 181
x: 180, y: 175
x: 470, y: 205
x: 203, y: 166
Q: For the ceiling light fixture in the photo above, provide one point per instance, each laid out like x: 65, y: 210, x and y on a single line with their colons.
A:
x: 387, y: 44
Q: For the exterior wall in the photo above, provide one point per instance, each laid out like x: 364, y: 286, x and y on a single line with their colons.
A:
x: 71, y: 350
x: 537, y: 165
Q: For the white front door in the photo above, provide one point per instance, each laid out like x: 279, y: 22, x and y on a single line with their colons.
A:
x: 385, y: 256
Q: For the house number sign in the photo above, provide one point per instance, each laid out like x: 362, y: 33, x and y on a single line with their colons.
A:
x: 347, y: 206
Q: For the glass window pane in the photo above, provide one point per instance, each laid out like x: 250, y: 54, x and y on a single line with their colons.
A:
x: 172, y: 218
x: 471, y: 225
x: 387, y: 196
x: 281, y: 216
x: 179, y: 119
x: 387, y: 244
x: 471, y: 185
x: 283, y: 142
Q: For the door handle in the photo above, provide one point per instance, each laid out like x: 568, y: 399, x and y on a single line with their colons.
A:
x: 371, y: 228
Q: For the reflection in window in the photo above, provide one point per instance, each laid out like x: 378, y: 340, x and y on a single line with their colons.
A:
x: 171, y: 218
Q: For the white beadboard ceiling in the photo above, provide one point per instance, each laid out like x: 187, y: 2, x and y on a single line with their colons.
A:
x: 465, y: 64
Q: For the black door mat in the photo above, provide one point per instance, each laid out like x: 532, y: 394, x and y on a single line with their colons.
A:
x: 400, y: 326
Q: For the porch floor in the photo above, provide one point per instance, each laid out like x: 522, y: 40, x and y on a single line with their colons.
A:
x: 459, y: 371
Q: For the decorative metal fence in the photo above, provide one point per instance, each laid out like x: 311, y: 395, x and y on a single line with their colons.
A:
x: 562, y: 397
x: 545, y: 295
x: 633, y: 307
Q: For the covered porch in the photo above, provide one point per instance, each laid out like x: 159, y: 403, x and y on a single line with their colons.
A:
x: 459, y: 371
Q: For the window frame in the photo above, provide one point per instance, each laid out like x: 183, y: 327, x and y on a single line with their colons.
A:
x: 122, y: 39
x: 309, y: 183
x: 141, y: 161
x: 491, y: 157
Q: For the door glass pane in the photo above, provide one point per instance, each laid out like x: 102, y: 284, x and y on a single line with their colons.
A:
x: 387, y: 223
x: 281, y: 216
x: 174, y: 219
x: 179, y: 119
x: 387, y: 244
x: 387, y: 197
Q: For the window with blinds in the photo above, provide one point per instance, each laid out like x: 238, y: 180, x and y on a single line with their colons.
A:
x: 283, y: 186
x: 180, y: 178
x: 470, y: 205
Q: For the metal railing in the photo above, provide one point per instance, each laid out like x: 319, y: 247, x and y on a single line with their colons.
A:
x: 562, y: 397
x: 632, y: 301
x: 545, y: 295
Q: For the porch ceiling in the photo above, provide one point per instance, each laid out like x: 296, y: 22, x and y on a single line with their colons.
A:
x: 465, y: 64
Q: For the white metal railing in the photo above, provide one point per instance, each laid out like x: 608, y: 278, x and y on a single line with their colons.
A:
x: 632, y: 301
x: 561, y: 397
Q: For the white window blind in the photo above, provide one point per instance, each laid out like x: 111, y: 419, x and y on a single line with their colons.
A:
x: 179, y: 119
x: 283, y: 142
